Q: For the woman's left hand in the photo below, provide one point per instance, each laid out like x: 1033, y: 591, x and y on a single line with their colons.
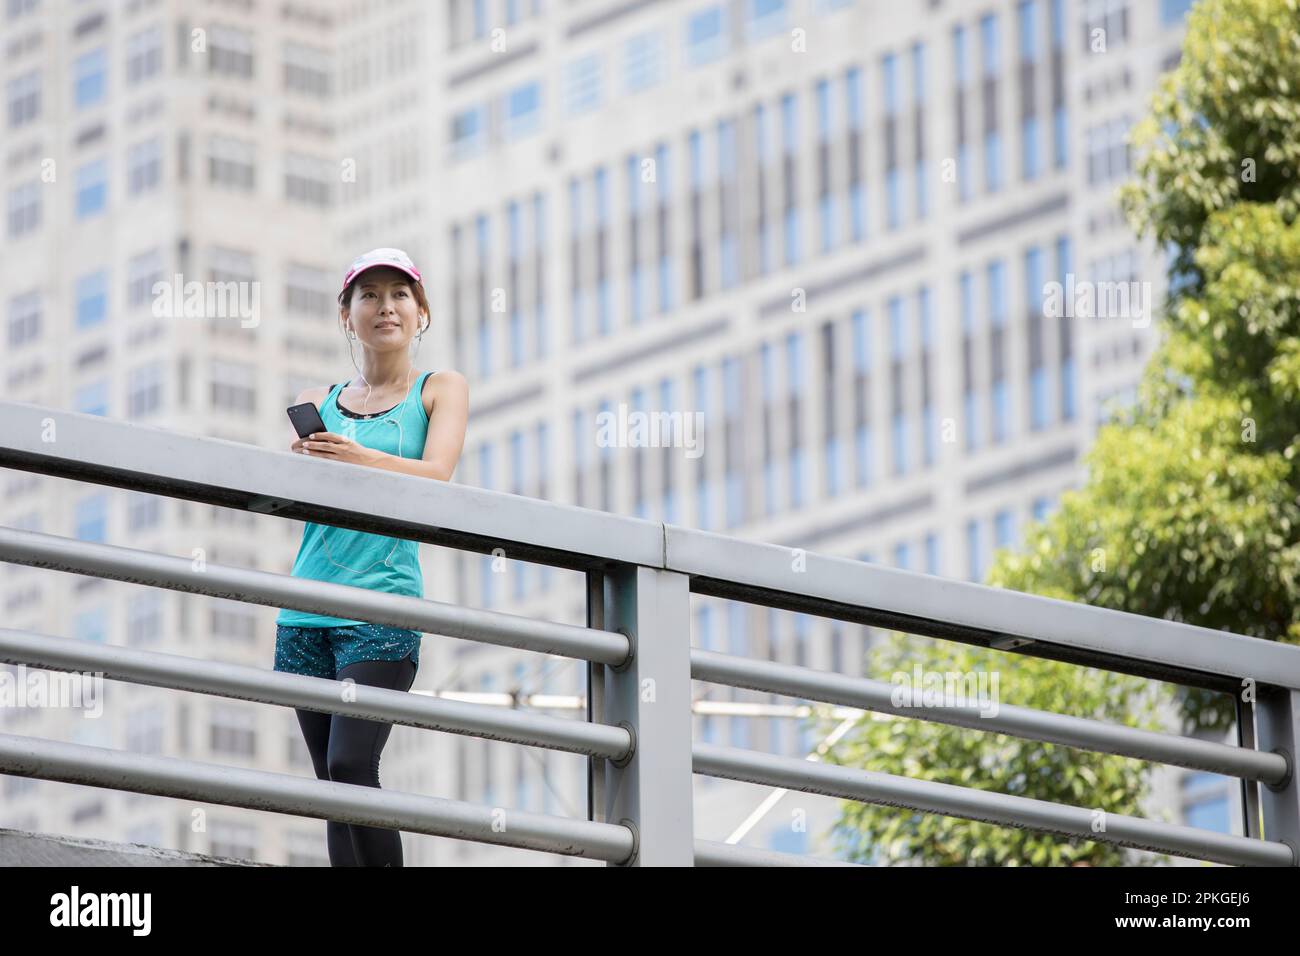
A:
x: 338, y: 448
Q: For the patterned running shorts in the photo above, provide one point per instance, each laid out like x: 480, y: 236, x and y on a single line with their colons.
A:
x: 324, y: 651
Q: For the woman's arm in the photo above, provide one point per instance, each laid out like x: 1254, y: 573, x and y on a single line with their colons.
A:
x: 447, y: 425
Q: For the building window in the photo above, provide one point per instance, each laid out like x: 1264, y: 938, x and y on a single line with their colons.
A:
x: 144, y: 54
x: 230, y: 51
x: 232, y: 162
x: 24, y: 319
x: 234, y: 387
x: 307, y: 70
x: 24, y: 209
x: 523, y: 110
x: 307, y: 179
x: 643, y: 57
x: 144, y: 618
x: 23, y: 94
x: 90, y: 626
x: 89, y: 71
x: 765, y: 18
x: 92, y: 518
x: 790, y: 147
x: 1105, y: 18
x: 468, y: 131
x: 92, y: 299
x: 92, y: 188
x: 232, y: 620
x: 233, y: 730
x: 143, y: 166
x: 143, y: 271
x: 143, y: 512
x: 582, y: 84
x: 706, y: 36
x: 308, y: 290
x: 974, y: 557
x: 92, y: 399
x: 144, y: 390
x: 144, y: 730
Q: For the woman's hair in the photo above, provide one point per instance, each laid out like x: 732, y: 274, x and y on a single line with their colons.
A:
x: 417, y: 290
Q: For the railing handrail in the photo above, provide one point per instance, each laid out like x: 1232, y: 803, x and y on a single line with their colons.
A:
x: 213, y: 471
x: 640, y: 575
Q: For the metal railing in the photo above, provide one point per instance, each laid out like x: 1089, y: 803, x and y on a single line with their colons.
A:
x: 637, y: 735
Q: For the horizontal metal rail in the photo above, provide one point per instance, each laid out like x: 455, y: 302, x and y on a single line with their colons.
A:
x: 116, y: 563
x: 241, y: 682
x: 711, y: 853
x: 1003, y: 809
x: 300, y: 796
x: 1025, y: 722
x: 845, y: 589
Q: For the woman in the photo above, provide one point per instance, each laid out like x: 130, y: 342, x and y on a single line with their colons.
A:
x: 419, y: 429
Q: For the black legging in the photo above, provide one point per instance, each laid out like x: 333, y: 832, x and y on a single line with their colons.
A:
x: 346, y: 750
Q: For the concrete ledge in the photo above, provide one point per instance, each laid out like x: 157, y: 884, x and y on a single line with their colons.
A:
x: 19, y: 848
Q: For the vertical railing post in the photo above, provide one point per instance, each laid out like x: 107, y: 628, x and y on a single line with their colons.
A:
x: 1277, y: 728
x: 651, y: 695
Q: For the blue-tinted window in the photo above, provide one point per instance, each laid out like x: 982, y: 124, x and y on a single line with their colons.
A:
x: 766, y: 17
x: 974, y: 557
x: 989, y: 44
x: 853, y: 97
x: 703, y: 513
x: 1060, y: 137
x: 1029, y: 159
x: 92, y: 299
x: 932, y: 553
x: 91, y: 626
x: 729, y: 248
x: 524, y: 110
x: 1027, y: 22
x: 790, y: 144
x: 893, y: 198
x: 897, y: 328
x: 889, y: 83
x: 93, y: 399
x: 582, y: 84
x: 92, y: 188
x: 468, y: 131
x: 1004, y: 529
x: 997, y: 293
x: 960, y: 58
x: 992, y: 161
x: 89, y: 76
x: 795, y: 377
x: 970, y: 412
x: 644, y: 58
x: 92, y: 518
x: 706, y: 36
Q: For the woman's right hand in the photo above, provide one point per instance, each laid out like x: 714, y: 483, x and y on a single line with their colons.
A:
x: 297, y: 448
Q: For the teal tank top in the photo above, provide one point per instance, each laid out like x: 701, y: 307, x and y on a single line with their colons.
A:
x: 357, y: 558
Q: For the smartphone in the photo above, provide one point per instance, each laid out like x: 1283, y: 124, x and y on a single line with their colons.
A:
x: 306, y: 419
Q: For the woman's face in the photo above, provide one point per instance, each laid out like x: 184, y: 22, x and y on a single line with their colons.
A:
x: 384, y: 313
